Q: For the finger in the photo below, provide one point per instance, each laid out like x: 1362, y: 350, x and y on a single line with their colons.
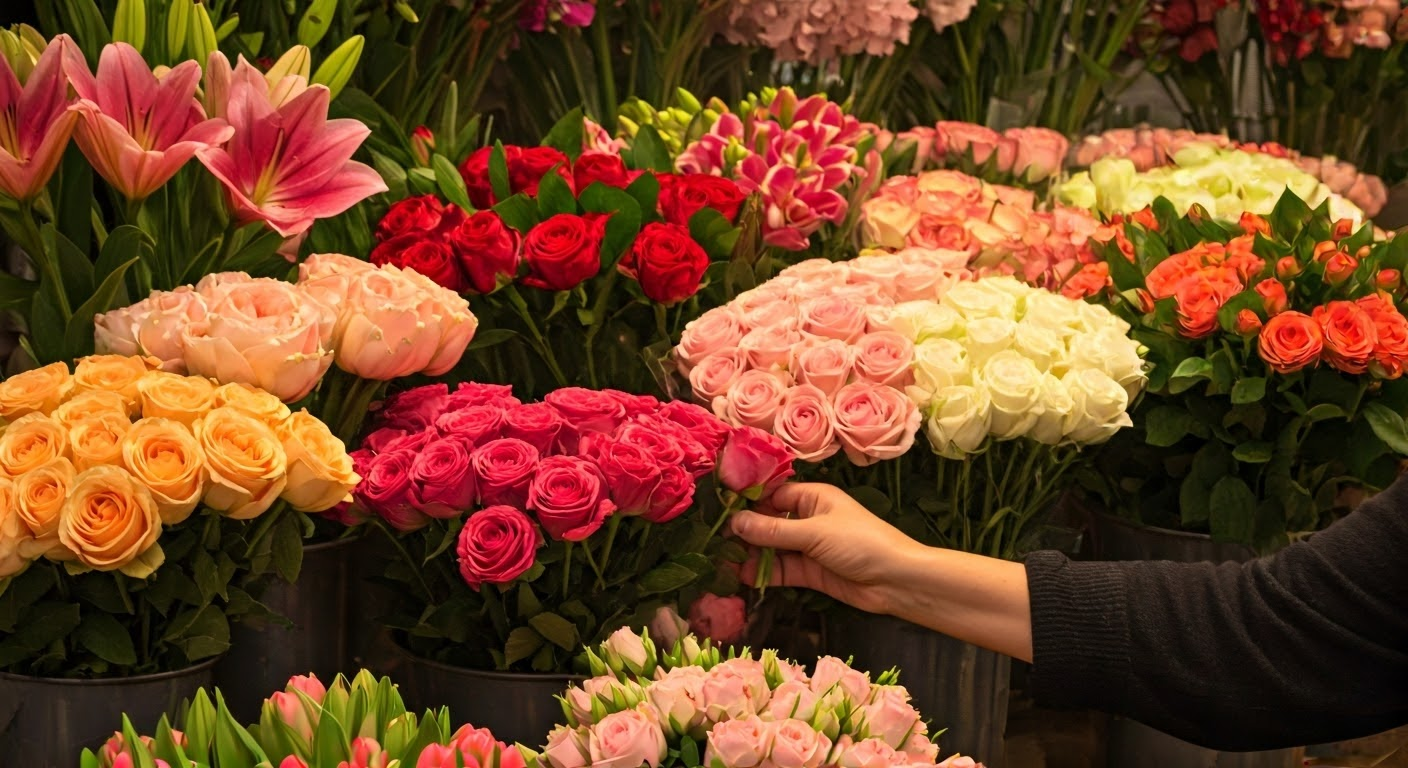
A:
x: 795, y: 499
x: 788, y: 570
x: 764, y: 531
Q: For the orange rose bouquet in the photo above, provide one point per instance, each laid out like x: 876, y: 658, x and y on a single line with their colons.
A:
x: 1278, y: 348
x: 139, y: 509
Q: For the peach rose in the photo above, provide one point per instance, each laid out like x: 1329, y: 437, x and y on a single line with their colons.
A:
x: 1273, y: 296
x: 713, y: 376
x: 251, y: 400
x: 1201, y: 296
x: 1391, y: 332
x: 1290, y: 341
x: 967, y: 140
x: 165, y: 457
x: 753, y: 400
x: 86, y: 405
x: 245, y: 462
x: 1166, y: 276
x: 12, y: 532
x: 173, y: 396
x: 98, y: 440
x: 887, y: 221
x: 31, y: 442
x: 1041, y: 152
x: 113, y: 373
x: 320, y: 472
x: 874, y: 422
x: 110, y: 523
x: 718, y: 329
x: 1349, y: 333
x: 154, y: 326
x: 38, y: 391
x: 825, y: 364
x: 390, y: 326
x: 804, y: 423
x: 457, y: 324
x: 39, y: 501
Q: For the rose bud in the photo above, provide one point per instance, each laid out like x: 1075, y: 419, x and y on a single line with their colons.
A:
x: 1324, y: 250
x: 1288, y: 267
x: 1248, y: 324
x: 1389, y: 279
x: 1340, y: 268
x: 1146, y: 300
x: 1343, y: 228
x: 1273, y: 296
x: 1252, y: 223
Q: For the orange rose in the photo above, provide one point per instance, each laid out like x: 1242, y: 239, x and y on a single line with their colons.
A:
x: 98, y: 440
x: 253, y: 401
x: 31, y: 442
x: 1290, y: 341
x: 244, y: 460
x: 1391, y: 333
x: 113, y: 373
x: 163, y: 454
x: 1146, y: 219
x: 37, y: 391
x: 1340, y: 268
x: 173, y: 396
x: 1240, y: 257
x: 110, y: 523
x: 86, y: 405
x: 320, y: 473
x: 1273, y: 296
x: 13, y: 532
x: 1200, y: 296
x: 1248, y: 323
x: 1349, y: 335
x: 1252, y: 224
x: 1164, y: 278
x: 39, y: 502
x: 1288, y: 267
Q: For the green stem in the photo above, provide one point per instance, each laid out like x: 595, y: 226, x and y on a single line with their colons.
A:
x: 602, y: 46
x: 544, y: 349
x: 354, y: 408
x: 603, y: 297
x: 410, y: 561
x: 591, y: 561
x: 612, y: 527
x: 567, y: 572
x: 266, y: 524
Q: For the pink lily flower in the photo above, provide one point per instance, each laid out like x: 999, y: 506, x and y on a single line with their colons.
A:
x: 138, y: 128
x: 35, y: 124
x: 288, y: 165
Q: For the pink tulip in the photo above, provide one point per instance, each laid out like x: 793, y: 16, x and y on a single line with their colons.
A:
x: 288, y: 165
x: 138, y: 129
x: 35, y: 124
x: 310, y: 685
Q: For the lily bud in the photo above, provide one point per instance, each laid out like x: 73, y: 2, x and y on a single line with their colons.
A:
x: 129, y: 23
x: 422, y: 145
x: 338, y: 67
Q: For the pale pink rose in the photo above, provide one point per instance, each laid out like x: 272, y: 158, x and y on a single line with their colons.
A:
x: 825, y: 365
x: 804, y: 424
x: 739, y: 743
x: 964, y: 141
x: 735, y: 689
x: 885, y: 357
x: 605, y: 687
x: 753, y: 400
x: 815, y: 274
x: 153, y: 327
x: 959, y: 761
x: 833, y: 318
x: 796, y: 744
x: 766, y: 311
x: 667, y: 627
x: 793, y: 699
x: 874, y: 422
x: 1041, y: 152
x: 630, y: 738
x: 868, y: 753
x: 717, y: 330
x: 771, y: 345
x: 928, y: 277
x: 567, y: 748
x: 921, y: 749
x: 678, y: 697
x: 721, y: 619
x: 328, y: 276
x: 711, y: 377
x: 878, y: 267
x: 890, y: 717
x: 391, y: 326
x: 864, y: 294
x: 832, y: 673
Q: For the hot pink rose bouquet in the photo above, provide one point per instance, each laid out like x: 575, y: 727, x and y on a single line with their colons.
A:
x: 690, y: 706
x: 555, y: 521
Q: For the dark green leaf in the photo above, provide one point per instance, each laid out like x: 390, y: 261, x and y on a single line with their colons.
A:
x: 669, y: 577
x: 528, y: 603
x: 498, y: 173
x: 622, y: 227
x: 711, y: 230
x: 1189, y: 373
x: 1165, y: 425
x: 491, y: 338
x: 558, y: 631
x: 101, y: 634
x: 451, y: 184
x: 1388, y: 426
x: 566, y: 135
x: 201, y: 634
x: 330, y: 742
x: 873, y: 499
x: 74, y: 266
x: 1257, y: 452
x: 288, y: 547
x: 519, y: 212
x: 16, y: 294
x: 1289, y: 215
x: 74, y: 210
x: 1249, y: 390
x: 554, y: 196
x: 523, y: 642
x: 650, y: 152
x: 1232, y: 510
x: 121, y: 246
x: 78, y: 336
x: 646, y: 192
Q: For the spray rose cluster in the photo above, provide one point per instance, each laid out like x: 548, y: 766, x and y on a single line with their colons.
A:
x: 94, y: 463
x: 999, y: 228
x: 692, y: 707
x: 1022, y: 155
x: 801, y: 155
x: 818, y: 32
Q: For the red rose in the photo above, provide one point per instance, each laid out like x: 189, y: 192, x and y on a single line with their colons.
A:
x: 425, y: 255
x: 475, y: 172
x: 385, y: 490
x: 709, y: 430
x: 568, y: 495
x: 504, y: 468
x: 471, y: 393
x: 527, y: 169
x: 497, y: 545
x: 412, y: 215
x: 672, y: 496
x: 487, y: 250
x: 631, y: 473
x: 475, y: 425
x: 442, y: 480
x: 667, y: 262
x: 538, y: 424
x: 562, y: 253
x: 415, y: 409
x: 682, y: 196
x: 604, y: 167
x: 754, y: 463
x: 587, y: 410
x: 1349, y: 333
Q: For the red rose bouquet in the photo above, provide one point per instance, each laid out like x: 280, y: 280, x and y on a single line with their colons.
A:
x: 530, y: 528
x: 1278, y: 351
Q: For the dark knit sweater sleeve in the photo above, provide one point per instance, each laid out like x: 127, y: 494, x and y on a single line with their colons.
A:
x: 1305, y: 647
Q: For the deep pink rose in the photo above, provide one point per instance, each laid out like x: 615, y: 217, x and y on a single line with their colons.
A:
x: 415, y: 409
x: 386, y: 491
x: 498, y: 544
x: 645, y: 436
x: 538, y: 424
x: 754, y: 463
x: 503, y: 469
x: 697, y: 459
x: 471, y: 393
x: 587, y: 410
x: 442, y: 479
x: 377, y: 441
x: 475, y: 425
x: 721, y: 619
x: 412, y: 441
x: 672, y: 496
x: 702, y: 425
x: 568, y: 494
x: 631, y: 473
x: 635, y: 405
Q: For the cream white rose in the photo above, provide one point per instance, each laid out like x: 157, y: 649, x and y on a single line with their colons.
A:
x: 981, y: 299
x: 959, y: 420
x: 989, y: 335
x: 938, y: 365
x: 1042, y: 346
x: 1098, y: 407
x: 1014, y: 385
x: 1112, y: 353
x: 918, y: 320
x: 1056, y: 408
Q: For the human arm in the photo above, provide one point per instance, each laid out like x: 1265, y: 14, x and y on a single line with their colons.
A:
x: 1309, y: 646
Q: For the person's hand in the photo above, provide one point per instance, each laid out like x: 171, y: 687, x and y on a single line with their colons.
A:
x: 828, y: 542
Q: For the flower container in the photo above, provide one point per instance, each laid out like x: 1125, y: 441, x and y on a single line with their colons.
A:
x: 1131, y: 742
x: 47, y: 721
x: 263, y: 657
x: 518, y: 707
x: 962, y: 688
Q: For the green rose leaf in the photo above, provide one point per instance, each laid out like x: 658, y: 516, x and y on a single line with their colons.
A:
x: 1249, y: 390
x: 1388, y: 426
x: 106, y: 638
x: 1166, y: 425
x: 1233, y: 511
x: 557, y: 630
x: 522, y: 643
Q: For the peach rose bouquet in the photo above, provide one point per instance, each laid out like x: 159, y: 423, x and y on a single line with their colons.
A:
x: 1278, y: 347
x: 140, y: 504
x: 690, y: 706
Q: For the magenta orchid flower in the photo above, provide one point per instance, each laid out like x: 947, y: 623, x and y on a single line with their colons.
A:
x: 138, y: 129
x: 288, y: 165
x: 35, y: 124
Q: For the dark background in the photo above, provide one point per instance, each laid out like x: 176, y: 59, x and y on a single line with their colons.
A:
x: 17, y: 11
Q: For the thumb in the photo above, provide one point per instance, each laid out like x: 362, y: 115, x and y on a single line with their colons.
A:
x: 778, y: 533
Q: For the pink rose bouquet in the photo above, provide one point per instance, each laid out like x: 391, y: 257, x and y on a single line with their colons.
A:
x: 1028, y: 157
x: 567, y: 518
x: 690, y: 706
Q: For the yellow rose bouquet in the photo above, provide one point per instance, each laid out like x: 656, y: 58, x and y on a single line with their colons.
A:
x: 140, y: 508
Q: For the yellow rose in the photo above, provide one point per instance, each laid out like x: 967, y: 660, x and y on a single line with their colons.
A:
x: 86, y: 405
x: 98, y: 440
x: 253, y: 401
x: 320, y: 472
x: 244, y: 460
x: 31, y: 442
x: 37, y: 391
x: 12, y: 532
x: 164, y: 456
x: 173, y: 396
x: 113, y: 373
x: 110, y: 523
x: 39, y: 502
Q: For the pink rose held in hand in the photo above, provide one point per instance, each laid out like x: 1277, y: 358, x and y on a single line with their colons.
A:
x: 755, y: 463
x: 874, y: 422
x: 498, y: 544
x: 568, y: 495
